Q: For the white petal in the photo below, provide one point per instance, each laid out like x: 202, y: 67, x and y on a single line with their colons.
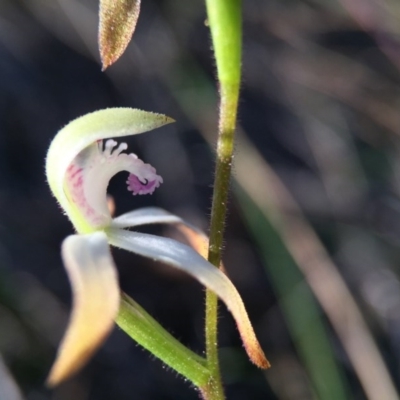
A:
x: 186, y: 259
x: 154, y: 215
x: 87, y: 130
x: 94, y: 282
x: 145, y: 216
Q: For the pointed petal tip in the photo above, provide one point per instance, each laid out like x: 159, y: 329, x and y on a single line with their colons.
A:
x: 250, y: 341
x: 70, y: 361
x: 167, y: 120
x: 52, y: 381
x: 106, y: 61
x: 63, y: 368
x: 163, y: 119
x: 257, y: 356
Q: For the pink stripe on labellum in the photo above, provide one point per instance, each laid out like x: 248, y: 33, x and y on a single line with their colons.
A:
x: 74, y: 177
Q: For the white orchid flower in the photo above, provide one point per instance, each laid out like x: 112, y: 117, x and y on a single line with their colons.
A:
x: 79, y: 167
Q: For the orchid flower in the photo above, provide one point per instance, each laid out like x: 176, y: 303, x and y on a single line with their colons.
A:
x: 79, y: 167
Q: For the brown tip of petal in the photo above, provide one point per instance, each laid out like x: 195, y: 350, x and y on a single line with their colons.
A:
x: 256, y: 354
x: 249, y: 338
x: 117, y: 22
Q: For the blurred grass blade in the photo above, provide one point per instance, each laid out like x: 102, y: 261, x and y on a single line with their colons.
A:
x: 271, y: 197
x: 302, y: 314
x: 117, y: 22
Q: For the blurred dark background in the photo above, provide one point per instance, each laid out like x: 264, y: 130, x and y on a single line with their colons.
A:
x: 320, y: 100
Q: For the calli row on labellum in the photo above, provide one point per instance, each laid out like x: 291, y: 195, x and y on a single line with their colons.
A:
x: 79, y: 166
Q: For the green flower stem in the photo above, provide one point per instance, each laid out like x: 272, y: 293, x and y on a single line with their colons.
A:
x: 224, y: 17
x: 218, y: 213
x: 142, y: 328
x: 227, y: 124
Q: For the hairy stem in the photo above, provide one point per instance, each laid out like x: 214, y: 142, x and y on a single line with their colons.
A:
x: 225, y: 23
